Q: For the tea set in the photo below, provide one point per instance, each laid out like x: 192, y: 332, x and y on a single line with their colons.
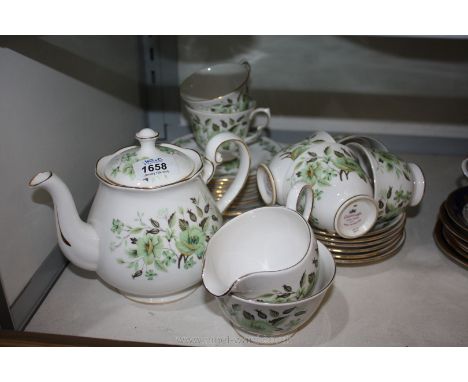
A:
x: 155, y: 231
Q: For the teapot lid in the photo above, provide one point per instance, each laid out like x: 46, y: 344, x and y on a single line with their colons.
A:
x: 149, y: 165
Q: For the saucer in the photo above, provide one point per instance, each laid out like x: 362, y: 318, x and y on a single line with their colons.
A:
x: 371, y: 238
x: 457, y: 208
x: 371, y: 235
x: 456, y: 245
x: 373, y: 257
x: 261, y: 151
x: 451, y: 226
x: 445, y: 247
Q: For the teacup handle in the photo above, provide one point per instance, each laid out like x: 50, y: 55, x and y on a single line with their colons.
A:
x: 212, y: 154
x: 258, y: 132
x: 266, y: 184
x: 295, y: 195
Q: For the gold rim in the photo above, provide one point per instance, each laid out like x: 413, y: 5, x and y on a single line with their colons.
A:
x: 451, y: 202
x: 445, y: 248
x: 107, y: 181
x: 368, y: 235
x: 374, y: 259
x: 453, y: 243
x: 244, y: 82
x: 447, y: 222
x: 452, y: 238
x: 362, y: 241
x: 367, y: 252
x: 364, y: 246
x: 35, y: 184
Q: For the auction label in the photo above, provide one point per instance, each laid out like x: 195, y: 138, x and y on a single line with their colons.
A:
x: 154, y: 167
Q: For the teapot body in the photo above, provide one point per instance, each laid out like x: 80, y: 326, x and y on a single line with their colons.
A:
x: 152, y: 242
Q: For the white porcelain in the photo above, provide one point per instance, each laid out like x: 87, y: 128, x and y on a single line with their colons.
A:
x: 279, y: 319
x: 268, y: 253
x: 343, y: 195
x: 397, y: 184
x: 147, y: 238
x: 261, y: 151
x: 368, y: 142
x: 206, y: 125
x: 464, y: 167
x: 218, y: 88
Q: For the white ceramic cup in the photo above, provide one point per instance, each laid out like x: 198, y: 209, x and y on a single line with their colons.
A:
x: 219, y: 87
x: 368, y: 142
x: 267, y: 254
x: 343, y: 195
x: 397, y: 184
x: 206, y: 125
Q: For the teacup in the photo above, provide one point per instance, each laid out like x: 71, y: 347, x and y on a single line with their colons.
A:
x: 397, y: 184
x: 221, y: 87
x: 368, y: 142
x: 343, y: 195
x: 206, y: 125
x: 267, y: 254
x: 265, y: 319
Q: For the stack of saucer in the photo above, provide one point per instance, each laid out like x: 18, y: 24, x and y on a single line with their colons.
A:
x: 451, y: 230
x: 380, y: 243
x: 248, y: 198
x: 261, y: 151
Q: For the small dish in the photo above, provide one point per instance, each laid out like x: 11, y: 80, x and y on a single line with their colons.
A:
x: 445, y: 247
x: 364, y: 240
x: 454, y: 243
x: 450, y: 225
x: 376, y: 230
x: 261, y: 151
x: 457, y: 208
x: 372, y: 258
x: 380, y: 250
x: 365, y: 246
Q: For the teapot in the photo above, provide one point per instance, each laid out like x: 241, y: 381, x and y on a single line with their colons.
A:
x: 151, y: 217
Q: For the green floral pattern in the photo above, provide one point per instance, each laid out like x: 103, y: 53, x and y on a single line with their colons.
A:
x: 264, y: 321
x: 230, y: 106
x: 125, y: 164
x: 170, y: 239
x: 392, y: 203
x: 128, y: 159
x: 204, y: 130
x: 320, y: 170
x: 287, y: 294
x: 391, y: 163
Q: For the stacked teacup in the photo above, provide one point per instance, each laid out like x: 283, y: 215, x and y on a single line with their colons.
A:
x: 267, y: 270
x: 361, y: 192
x: 217, y: 100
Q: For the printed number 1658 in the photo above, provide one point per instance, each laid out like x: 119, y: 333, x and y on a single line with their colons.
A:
x: 154, y: 167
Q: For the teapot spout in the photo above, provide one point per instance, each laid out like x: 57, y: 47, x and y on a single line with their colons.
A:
x: 78, y: 240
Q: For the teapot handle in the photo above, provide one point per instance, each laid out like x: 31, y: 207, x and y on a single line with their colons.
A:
x: 215, y: 158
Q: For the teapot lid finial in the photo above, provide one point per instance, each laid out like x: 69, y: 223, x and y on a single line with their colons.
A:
x: 148, y: 165
x: 147, y: 138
